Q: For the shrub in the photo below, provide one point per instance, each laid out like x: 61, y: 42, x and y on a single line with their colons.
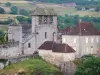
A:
x: 2, y: 11
x: 14, y: 10
x: 8, y: 4
x: 23, y: 12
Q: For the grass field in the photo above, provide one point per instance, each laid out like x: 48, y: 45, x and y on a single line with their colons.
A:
x: 4, y: 17
x: 61, y: 10
x: 89, y: 13
x: 31, y: 67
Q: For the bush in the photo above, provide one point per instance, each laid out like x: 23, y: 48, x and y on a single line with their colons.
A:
x: 14, y: 10
x: 24, y: 19
x: 8, y: 4
x: 2, y: 11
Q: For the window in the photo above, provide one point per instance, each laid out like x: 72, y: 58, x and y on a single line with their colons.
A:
x: 97, y: 40
x: 87, y: 50
x: 53, y: 35
x: 45, y: 19
x: 51, y: 19
x: 45, y: 35
x: 74, y: 40
x: 40, y: 19
x: 92, y: 40
x: 86, y: 40
x: 64, y: 40
x: 29, y: 45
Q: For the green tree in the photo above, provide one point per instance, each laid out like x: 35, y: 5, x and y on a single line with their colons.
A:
x: 2, y: 11
x: 8, y: 4
x: 90, y: 66
x: 2, y: 37
x: 23, y: 12
x: 14, y: 10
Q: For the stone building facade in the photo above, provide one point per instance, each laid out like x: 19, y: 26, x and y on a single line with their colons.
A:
x: 84, y: 38
x: 30, y: 37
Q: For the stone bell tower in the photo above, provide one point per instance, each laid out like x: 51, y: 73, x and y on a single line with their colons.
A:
x: 44, y: 25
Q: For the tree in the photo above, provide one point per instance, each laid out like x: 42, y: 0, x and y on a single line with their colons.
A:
x: 8, y: 4
x: 90, y: 66
x: 2, y: 37
x: 2, y: 11
x: 23, y: 12
x: 14, y: 10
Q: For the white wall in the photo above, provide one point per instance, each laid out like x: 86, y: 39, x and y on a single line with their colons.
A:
x: 30, y: 50
x: 15, y: 33
x: 84, y: 44
x: 10, y: 51
x: 56, y: 58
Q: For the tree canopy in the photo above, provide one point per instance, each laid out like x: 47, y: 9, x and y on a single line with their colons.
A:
x: 14, y: 10
x: 2, y: 11
x: 90, y: 66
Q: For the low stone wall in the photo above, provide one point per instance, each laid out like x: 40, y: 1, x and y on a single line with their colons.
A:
x: 15, y: 60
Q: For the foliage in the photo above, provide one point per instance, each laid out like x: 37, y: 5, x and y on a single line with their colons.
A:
x: 24, y: 19
x: 79, y: 2
x: 23, y: 12
x: 71, y: 21
x: 2, y: 37
x: 90, y: 66
x: 14, y: 10
x: 2, y: 11
x: 8, y: 4
x: 32, y: 67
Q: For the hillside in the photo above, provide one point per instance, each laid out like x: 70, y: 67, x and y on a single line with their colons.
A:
x: 31, y: 67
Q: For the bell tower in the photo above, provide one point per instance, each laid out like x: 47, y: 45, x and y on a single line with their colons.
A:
x: 44, y: 25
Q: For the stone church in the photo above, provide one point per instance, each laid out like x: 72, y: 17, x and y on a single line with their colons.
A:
x: 44, y: 28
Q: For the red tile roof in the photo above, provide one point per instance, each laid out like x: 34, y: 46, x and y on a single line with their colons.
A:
x: 56, y: 47
x: 83, y: 28
x: 47, y: 45
x: 66, y: 30
x: 63, y: 48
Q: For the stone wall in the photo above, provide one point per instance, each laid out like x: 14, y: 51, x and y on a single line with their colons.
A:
x: 56, y: 58
x: 10, y: 49
x: 15, y: 60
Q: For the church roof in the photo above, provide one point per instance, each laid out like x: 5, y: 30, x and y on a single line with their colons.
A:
x: 83, y: 28
x: 44, y: 11
x: 56, y: 47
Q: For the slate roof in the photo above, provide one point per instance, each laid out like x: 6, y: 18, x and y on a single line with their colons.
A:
x: 83, y: 28
x: 56, y: 47
x: 44, y: 11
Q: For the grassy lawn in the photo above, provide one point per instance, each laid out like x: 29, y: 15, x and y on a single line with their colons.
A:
x: 31, y: 67
x: 4, y: 27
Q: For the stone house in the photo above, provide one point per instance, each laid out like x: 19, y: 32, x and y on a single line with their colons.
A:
x: 84, y: 38
x: 56, y: 53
